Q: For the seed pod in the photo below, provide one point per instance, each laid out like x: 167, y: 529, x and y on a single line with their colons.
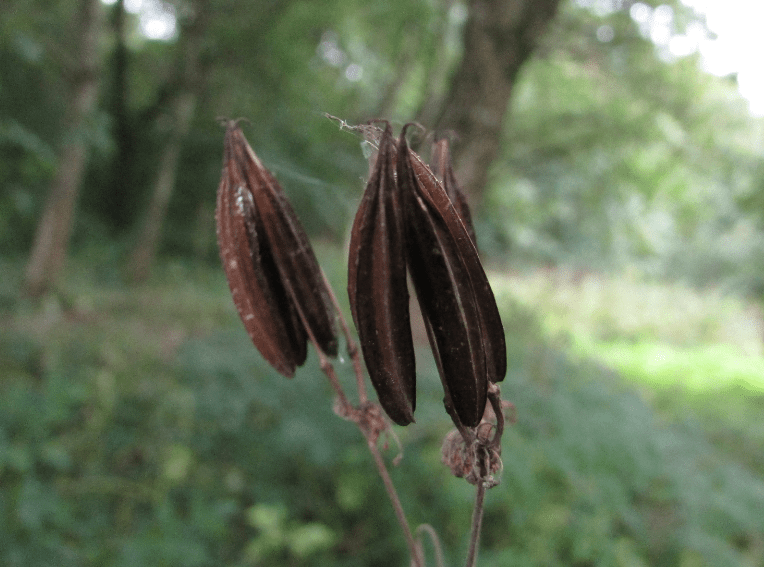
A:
x: 492, y: 330
x: 377, y: 288
x: 444, y: 290
x: 271, y: 268
x: 259, y: 297
x: 441, y: 167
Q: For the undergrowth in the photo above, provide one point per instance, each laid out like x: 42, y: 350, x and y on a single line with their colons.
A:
x: 138, y: 426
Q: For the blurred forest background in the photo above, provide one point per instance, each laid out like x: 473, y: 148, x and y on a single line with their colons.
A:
x: 618, y: 193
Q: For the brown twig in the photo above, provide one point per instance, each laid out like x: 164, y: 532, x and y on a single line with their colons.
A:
x: 494, y: 396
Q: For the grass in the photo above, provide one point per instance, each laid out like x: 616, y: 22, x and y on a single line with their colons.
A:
x: 601, y: 308
x: 695, y: 354
x: 707, y: 369
x: 659, y: 335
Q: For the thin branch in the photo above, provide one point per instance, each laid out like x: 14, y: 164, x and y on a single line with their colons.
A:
x: 326, y: 365
x: 485, y: 451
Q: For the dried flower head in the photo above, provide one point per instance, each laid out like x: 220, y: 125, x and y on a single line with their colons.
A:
x: 474, y: 461
x: 275, y: 279
x: 408, y: 224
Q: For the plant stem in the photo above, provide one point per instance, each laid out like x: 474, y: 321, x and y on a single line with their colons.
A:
x: 326, y: 365
x: 477, y: 524
x: 486, y: 450
x: 351, y: 344
x: 355, y: 415
x: 429, y: 530
x: 494, y: 397
x: 393, y: 495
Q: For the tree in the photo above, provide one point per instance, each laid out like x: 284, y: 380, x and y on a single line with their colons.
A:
x: 55, y: 226
x: 619, y: 152
x: 182, y: 106
x: 500, y: 36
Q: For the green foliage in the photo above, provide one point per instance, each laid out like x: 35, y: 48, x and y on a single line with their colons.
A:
x: 692, y: 353
x: 141, y: 427
x: 596, y: 478
x: 616, y: 152
x: 281, y: 65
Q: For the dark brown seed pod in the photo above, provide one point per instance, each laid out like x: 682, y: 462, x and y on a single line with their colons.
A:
x: 377, y: 288
x: 269, y: 263
x: 443, y: 170
x: 445, y: 293
x: 260, y: 298
x: 433, y: 192
x: 291, y: 249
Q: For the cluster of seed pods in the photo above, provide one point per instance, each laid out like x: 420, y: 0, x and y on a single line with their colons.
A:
x: 412, y: 223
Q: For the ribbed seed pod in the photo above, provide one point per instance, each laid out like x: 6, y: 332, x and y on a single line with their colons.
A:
x: 444, y: 290
x: 377, y: 288
x: 408, y: 223
x: 491, y: 328
x: 270, y: 265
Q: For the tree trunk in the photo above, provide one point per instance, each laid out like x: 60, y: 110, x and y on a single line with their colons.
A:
x: 118, y: 198
x: 191, y: 82
x: 500, y: 35
x: 54, y: 230
x: 145, y: 250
